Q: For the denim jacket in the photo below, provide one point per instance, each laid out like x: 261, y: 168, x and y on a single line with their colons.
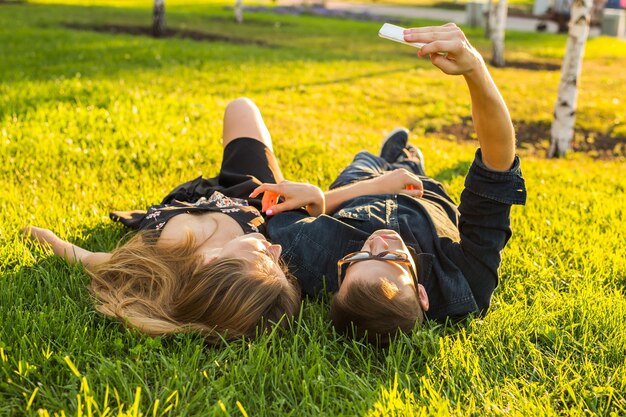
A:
x: 456, y: 250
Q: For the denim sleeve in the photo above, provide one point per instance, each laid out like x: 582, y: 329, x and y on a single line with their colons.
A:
x: 506, y: 187
x: 484, y: 224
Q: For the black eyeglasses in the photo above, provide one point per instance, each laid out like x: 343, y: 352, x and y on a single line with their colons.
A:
x: 387, y: 256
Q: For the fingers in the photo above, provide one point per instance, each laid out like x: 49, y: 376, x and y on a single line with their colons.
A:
x: 271, y: 193
x: 444, y: 62
x: 279, y: 208
x: 270, y: 198
x: 413, y: 193
x: 437, y: 47
x: 433, y: 33
x: 415, y: 189
x: 264, y: 187
x: 32, y: 232
x: 448, y: 27
x: 38, y: 234
x: 413, y: 186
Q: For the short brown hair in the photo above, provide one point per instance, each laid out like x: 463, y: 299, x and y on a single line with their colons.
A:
x: 167, y: 290
x: 375, y: 312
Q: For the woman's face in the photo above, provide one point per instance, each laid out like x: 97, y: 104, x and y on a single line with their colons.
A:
x: 252, y: 247
x: 249, y: 246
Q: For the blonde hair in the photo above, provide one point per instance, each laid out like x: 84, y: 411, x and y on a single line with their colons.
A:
x: 375, y: 312
x: 163, y: 290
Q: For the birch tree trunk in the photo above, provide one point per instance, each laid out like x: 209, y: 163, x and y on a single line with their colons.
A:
x: 562, y: 130
x: 158, y: 19
x: 497, y: 33
x: 489, y: 19
x: 239, y: 11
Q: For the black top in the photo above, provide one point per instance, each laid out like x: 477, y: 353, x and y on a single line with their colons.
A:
x: 248, y: 217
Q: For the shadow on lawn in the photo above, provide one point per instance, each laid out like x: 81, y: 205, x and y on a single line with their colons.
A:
x: 372, y: 74
x: 169, y: 33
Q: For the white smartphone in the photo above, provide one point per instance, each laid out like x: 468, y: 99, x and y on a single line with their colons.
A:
x: 396, y: 33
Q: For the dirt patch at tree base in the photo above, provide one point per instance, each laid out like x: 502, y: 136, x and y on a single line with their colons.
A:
x: 534, y: 138
x: 169, y: 33
x: 533, y: 65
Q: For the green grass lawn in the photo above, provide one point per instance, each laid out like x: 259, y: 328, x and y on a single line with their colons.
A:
x: 91, y: 122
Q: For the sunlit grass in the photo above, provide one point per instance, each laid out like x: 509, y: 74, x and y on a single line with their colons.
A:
x: 91, y: 122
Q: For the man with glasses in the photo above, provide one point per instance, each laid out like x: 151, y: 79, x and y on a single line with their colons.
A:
x: 395, y: 246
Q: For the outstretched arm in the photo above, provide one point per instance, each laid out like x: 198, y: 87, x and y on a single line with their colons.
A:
x: 484, y: 224
x: 65, y: 249
x: 298, y: 194
x: 450, y: 51
x: 398, y: 181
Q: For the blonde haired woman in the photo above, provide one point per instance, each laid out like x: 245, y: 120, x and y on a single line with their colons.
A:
x: 200, y: 261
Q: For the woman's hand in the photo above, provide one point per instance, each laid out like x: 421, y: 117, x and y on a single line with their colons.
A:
x: 65, y: 249
x: 40, y: 235
x: 398, y: 181
x: 296, y: 195
x: 449, y: 49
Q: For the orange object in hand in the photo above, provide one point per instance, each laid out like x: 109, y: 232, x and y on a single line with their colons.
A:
x: 410, y: 187
x: 270, y: 199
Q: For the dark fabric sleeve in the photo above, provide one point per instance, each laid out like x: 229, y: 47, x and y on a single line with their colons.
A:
x: 501, y: 186
x: 130, y: 219
x: 484, y: 224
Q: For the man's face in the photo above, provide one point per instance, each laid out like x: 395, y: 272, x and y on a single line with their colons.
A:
x: 374, y: 270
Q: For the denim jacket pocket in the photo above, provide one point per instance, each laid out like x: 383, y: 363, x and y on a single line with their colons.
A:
x: 362, y: 213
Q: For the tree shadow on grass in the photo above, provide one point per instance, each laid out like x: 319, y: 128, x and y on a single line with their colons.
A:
x: 340, y: 80
x: 138, y: 30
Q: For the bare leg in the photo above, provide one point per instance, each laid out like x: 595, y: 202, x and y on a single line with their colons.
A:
x: 242, y: 118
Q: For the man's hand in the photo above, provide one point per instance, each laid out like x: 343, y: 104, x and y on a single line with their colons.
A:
x: 451, y: 52
x: 448, y: 48
x: 296, y: 195
x: 398, y: 181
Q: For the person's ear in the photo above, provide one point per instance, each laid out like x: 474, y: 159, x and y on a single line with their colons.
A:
x: 207, y: 259
x: 423, y: 297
